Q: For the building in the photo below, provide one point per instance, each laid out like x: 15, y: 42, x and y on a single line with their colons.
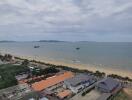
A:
x: 52, y: 81
x: 79, y: 82
x: 64, y: 94
x: 15, y: 92
x: 21, y: 77
x: 108, y: 85
x: 36, y: 99
x: 44, y: 98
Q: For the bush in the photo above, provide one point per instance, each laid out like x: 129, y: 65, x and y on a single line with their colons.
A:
x: 6, y: 57
x: 120, y: 77
x: 25, y: 62
x: 45, y: 71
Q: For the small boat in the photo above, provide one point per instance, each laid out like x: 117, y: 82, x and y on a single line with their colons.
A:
x: 75, y: 61
x: 77, y: 48
x: 36, y: 46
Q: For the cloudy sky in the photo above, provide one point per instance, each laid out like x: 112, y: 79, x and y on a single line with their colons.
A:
x: 70, y: 20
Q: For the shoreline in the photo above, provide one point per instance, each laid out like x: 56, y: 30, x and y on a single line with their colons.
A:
x: 108, y: 71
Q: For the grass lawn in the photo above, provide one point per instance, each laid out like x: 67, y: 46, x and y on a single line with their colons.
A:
x: 8, y: 72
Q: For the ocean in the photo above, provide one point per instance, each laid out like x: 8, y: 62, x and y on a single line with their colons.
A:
x: 101, y: 54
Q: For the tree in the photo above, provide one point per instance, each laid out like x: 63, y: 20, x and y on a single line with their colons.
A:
x: 25, y: 62
x: 99, y: 74
x: 1, y: 57
x: 6, y: 57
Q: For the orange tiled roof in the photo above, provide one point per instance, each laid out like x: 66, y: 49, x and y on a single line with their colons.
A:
x: 32, y: 78
x: 64, y: 94
x: 39, y: 86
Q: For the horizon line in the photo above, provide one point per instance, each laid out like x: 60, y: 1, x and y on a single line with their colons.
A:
x: 62, y: 41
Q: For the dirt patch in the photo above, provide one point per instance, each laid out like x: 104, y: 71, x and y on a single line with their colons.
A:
x: 93, y: 95
x: 128, y: 91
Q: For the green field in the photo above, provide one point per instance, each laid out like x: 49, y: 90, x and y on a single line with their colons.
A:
x: 7, y: 74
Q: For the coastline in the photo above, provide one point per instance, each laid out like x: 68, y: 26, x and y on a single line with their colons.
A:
x: 121, y: 72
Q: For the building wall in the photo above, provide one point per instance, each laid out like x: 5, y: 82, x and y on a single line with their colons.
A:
x: 77, y: 88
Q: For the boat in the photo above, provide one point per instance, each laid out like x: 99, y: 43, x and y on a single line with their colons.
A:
x: 75, y: 61
x: 36, y: 46
x: 77, y: 48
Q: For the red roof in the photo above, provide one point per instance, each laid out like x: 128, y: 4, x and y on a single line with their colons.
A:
x: 64, y: 94
x: 39, y: 86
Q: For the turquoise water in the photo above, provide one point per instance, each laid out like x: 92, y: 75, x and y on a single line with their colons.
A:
x: 116, y: 55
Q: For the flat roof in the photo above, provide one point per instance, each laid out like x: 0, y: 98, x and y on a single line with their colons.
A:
x: 108, y: 83
x: 64, y: 94
x: 41, y: 85
x: 78, y: 79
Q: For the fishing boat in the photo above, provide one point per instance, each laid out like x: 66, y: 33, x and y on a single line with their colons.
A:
x: 36, y: 46
x: 77, y: 48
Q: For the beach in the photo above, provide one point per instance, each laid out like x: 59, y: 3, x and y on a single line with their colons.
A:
x: 121, y: 72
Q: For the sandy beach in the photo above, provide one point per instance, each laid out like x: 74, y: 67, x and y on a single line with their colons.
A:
x: 121, y: 72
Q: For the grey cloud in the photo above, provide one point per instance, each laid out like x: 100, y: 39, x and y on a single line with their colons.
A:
x: 79, y: 19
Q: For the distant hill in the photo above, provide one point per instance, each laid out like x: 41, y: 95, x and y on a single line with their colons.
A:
x: 6, y: 41
x: 50, y: 41
x: 61, y: 41
x: 87, y: 41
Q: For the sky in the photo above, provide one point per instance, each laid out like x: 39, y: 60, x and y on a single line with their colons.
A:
x: 67, y: 20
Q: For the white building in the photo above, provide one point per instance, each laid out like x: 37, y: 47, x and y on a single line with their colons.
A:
x: 79, y: 82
